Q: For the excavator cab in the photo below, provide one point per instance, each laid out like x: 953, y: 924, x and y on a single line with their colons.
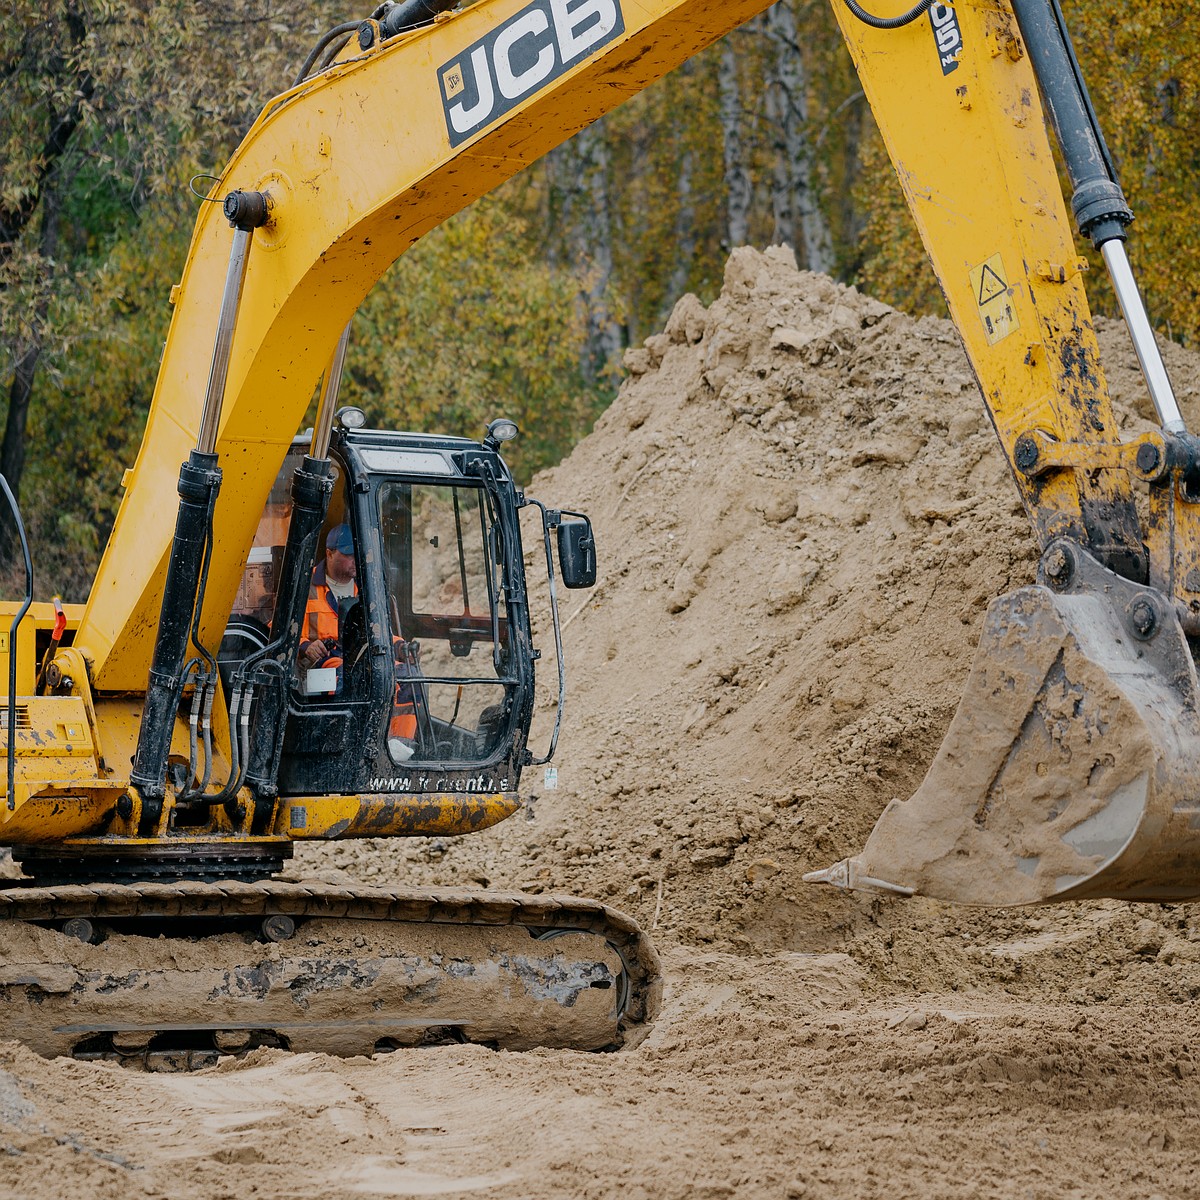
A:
x: 426, y: 674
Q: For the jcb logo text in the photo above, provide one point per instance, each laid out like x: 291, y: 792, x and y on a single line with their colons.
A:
x: 520, y: 57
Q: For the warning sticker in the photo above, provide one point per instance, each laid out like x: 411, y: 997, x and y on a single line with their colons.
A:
x: 989, y: 285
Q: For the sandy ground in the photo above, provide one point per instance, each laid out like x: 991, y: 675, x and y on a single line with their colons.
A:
x: 802, y: 516
x: 776, y: 1077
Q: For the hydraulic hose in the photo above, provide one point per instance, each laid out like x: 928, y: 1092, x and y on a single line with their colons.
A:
x: 202, y: 587
x: 889, y: 22
x: 205, y: 693
x: 344, y: 30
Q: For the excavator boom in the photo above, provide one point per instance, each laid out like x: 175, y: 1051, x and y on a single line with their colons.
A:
x: 358, y: 162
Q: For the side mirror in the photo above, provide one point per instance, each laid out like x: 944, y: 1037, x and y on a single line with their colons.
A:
x: 577, y: 553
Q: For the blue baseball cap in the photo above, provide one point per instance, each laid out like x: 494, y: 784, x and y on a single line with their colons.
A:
x: 340, y: 539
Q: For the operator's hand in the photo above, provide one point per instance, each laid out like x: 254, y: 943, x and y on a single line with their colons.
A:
x: 313, y: 653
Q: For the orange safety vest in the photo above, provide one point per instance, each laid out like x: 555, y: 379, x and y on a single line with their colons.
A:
x: 322, y: 624
x: 404, y: 709
x: 321, y: 619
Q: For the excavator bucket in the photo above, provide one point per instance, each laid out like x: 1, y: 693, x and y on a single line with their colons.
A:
x: 1072, y: 767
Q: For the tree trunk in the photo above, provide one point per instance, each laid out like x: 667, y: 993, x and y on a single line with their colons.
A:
x: 798, y: 216
x: 12, y: 451
x: 685, y: 229
x: 587, y: 216
x: 684, y: 226
x: 16, y: 216
x: 780, y: 117
x: 850, y: 221
x: 738, y: 192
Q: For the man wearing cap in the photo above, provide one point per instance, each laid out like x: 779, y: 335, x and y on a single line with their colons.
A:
x: 333, y: 592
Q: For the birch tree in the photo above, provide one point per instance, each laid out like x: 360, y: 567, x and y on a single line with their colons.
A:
x: 738, y: 191
x: 799, y: 220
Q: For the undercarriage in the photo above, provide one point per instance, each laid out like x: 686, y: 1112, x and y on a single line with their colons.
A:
x: 314, y: 967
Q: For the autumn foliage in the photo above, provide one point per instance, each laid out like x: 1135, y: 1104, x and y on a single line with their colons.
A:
x: 523, y: 305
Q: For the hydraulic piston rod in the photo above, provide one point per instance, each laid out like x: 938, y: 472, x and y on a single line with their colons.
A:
x: 199, y: 483
x: 1144, y: 345
x: 1098, y: 202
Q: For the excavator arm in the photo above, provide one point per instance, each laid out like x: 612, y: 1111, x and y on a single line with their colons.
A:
x: 956, y: 99
x: 1072, y: 766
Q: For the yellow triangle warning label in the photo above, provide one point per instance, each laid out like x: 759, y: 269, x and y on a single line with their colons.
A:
x: 996, y: 303
x: 990, y: 284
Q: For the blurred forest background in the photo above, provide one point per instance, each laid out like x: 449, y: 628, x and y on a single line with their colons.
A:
x: 109, y: 107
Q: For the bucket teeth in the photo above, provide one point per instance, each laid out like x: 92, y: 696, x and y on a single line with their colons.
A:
x: 1071, y: 769
x: 846, y: 875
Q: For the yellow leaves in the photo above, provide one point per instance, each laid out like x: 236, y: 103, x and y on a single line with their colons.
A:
x: 1143, y: 74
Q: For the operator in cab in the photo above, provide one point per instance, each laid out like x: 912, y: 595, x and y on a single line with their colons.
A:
x: 331, y: 595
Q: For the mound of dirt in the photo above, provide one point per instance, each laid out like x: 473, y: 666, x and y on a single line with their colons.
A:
x: 802, y: 514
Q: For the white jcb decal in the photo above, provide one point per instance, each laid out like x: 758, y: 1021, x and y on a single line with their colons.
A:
x: 511, y: 62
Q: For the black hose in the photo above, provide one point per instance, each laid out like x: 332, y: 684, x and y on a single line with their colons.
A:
x: 193, y: 725
x: 888, y: 22
x: 333, y: 52
x: 202, y: 697
x: 346, y: 27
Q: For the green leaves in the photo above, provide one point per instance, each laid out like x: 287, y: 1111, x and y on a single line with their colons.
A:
x: 468, y: 326
x: 521, y: 306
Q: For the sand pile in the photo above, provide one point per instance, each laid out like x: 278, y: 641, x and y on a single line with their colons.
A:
x: 802, y: 515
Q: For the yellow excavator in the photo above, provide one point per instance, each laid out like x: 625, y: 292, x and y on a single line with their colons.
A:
x: 168, y: 743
